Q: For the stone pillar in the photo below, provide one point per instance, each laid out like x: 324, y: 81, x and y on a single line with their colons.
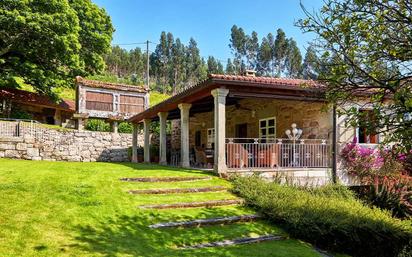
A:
x: 57, y: 117
x: 134, y: 142
x: 115, y: 126
x: 146, y: 126
x: 184, y: 135
x: 163, y: 142
x: 219, y: 95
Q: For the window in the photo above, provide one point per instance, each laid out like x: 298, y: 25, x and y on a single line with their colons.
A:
x: 210, y: 137
x: 267, y: 128
x: 364, y: 135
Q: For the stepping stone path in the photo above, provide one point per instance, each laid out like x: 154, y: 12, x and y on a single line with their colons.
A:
x: 237, y: 241
x: 206, y: 204
x: 205, y: 222
x: 165, y: 179
x: 179, y: 190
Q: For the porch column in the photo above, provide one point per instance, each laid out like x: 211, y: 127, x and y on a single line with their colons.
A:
x: 184, y: 135
x: 219, y: 95
x: 115, y: 126
x: 162, y: 148
x: 134, y: 142
x: 146, y: 127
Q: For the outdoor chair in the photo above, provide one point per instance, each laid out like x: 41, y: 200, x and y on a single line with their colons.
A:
x: 237, y: 156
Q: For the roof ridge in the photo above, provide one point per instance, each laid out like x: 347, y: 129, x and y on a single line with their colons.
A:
x: 80, y: 79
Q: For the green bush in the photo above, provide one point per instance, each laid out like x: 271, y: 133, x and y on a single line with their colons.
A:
x: 329, y: 217
x: 97, y: 125
x: 125, y: 127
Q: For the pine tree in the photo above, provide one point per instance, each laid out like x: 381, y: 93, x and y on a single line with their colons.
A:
x: 265, y: 57
x: 252, y: 51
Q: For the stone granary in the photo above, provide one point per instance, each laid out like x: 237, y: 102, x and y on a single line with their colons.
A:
x: 112, y: 102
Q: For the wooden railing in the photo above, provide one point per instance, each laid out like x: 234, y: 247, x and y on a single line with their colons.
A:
x: 249, y: 153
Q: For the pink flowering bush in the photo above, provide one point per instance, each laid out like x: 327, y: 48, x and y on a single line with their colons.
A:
x: 385, y: 173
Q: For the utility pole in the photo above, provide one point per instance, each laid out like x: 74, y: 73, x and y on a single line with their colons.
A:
x: 147, y: 65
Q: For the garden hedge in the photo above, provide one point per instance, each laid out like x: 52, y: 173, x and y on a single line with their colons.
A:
x: 330, y: 217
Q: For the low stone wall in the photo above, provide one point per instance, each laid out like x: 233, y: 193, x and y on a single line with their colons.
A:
x: 78, y: 146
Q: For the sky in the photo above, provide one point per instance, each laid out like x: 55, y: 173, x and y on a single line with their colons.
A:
x: 207, y: 21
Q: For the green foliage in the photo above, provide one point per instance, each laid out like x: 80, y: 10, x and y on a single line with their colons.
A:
x: 125, y: 127
x: 365, y: 46
x: 61, y: 39
x: 97, y: 125
x: 18, y: 113
x: 272, y: 57
x: 330, y: 217
x: 156, y: 97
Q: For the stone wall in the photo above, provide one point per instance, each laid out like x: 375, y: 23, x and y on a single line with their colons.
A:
x: 78, y: 146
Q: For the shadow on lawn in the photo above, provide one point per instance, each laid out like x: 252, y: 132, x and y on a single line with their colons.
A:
x: 130, y: 235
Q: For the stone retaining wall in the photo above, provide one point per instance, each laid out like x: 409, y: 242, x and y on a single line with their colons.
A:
x: 78, y: 146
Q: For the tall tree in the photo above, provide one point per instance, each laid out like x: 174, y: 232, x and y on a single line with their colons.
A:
x: 230, y: 68
x: 178, y: 64
x: 195, y: 66
x: 238, y: 42
x: 47, y: 43
x: 367, y: 46
x: 280, y: 51
x: 265, y: 57
x: 252, y: 51
x: 214, y: 66
x: 293, y: 60
x: 310, y: 67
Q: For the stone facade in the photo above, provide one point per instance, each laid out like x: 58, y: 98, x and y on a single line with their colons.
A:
x: 311, y: 117
x: 77, y: 146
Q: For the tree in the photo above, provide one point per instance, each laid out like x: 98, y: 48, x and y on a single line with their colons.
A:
x: 238, y: 42
x: 265, y: 57
x: 252, y: 50
x: 310, y: 67
x: 293, y: 59
x: 214, y: 66
x: 178, y: 64
x: 280, y: 50
x: 195, y: 65
x: 47, y: 43
x: 367, y: 48
x: 230, y: 68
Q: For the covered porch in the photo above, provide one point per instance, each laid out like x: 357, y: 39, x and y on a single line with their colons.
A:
x: 243, y: 124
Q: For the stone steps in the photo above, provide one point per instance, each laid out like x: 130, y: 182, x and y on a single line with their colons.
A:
x: 165, y: 179
x: 206, y: 204
x: 237, y: 241
x: 207, y: 222
x: 179, y: 190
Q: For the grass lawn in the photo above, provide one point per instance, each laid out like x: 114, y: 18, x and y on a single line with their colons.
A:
x: 83, y: 209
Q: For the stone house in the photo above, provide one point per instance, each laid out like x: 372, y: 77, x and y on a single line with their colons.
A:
x: 251, y: 124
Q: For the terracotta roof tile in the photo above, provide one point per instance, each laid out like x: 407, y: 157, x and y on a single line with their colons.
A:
x: 109, y: 85
x: 269, y: 81
x: 31, y: 98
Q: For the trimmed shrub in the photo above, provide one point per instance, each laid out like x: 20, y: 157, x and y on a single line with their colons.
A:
x: 125, y: 127
x: 97, y: 125
x: 329, y: 217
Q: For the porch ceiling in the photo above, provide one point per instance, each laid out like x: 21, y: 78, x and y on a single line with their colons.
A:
x: 240, y: 87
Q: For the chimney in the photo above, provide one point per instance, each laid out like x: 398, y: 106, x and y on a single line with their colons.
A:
x: 249, y: 73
